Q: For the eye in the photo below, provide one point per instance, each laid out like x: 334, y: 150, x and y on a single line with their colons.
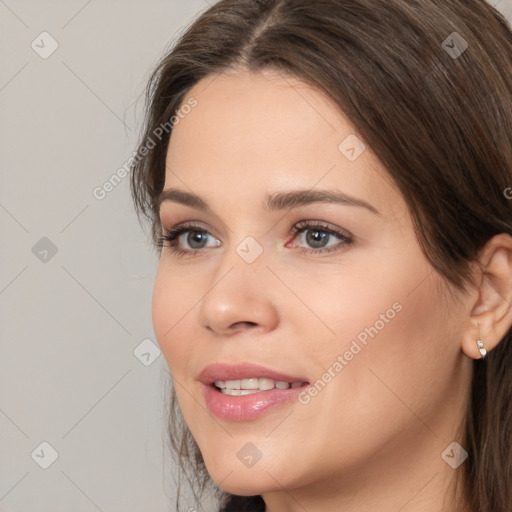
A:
x: 187, y: 238
x: 316, y: 236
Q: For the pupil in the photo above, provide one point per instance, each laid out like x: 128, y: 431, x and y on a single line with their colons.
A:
x: 317, y: 238
x: 196, y: 239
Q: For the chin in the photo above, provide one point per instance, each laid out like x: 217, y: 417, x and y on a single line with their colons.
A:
x: 250, y: 484
x: 237, y: 479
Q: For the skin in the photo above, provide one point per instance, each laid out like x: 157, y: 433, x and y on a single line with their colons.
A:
x: 374, y: 435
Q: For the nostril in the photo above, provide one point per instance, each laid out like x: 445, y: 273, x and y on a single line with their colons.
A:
x: 244, y: 324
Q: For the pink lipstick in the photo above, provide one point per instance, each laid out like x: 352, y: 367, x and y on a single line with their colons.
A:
x: 246, y: 391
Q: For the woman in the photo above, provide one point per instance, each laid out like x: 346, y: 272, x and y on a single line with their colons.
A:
x: 329, y: 186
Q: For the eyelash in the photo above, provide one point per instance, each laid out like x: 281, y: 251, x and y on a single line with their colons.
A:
x: 173, y: 234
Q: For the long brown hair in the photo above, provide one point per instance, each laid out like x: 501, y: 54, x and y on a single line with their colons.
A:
x: 428, y: 86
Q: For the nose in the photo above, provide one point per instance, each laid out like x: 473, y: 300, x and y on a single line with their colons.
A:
x: 239, y: 298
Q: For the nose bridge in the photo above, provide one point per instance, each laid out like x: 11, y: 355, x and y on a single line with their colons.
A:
x: 238, y: 295
x: 244, y: 258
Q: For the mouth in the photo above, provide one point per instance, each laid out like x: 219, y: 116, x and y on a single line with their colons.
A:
x: 247, y: 377
x: 246, y: 391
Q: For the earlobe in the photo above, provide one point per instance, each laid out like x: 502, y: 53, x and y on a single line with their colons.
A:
x: 491, y: 314
x: 474, y: 345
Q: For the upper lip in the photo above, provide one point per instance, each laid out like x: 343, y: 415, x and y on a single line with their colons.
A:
x: 226, y: 371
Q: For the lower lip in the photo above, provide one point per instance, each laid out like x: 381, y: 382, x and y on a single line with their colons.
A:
x: 247, y: 407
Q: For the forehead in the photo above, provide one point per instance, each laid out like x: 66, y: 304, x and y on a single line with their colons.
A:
x: 261, y: 111
x: 255, y: 133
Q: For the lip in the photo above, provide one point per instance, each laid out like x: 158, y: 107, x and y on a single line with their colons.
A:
x: 245, y: 407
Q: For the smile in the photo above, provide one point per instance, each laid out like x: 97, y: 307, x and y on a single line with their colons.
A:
x: 245, y: 391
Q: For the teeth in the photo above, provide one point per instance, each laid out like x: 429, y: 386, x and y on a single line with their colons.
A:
x: 252, y: 385
x: 249, y: 384
x: 265, y: 384
x: 232, y: 384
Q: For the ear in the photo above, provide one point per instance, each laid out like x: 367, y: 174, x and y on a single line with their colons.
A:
x: 491, y: 314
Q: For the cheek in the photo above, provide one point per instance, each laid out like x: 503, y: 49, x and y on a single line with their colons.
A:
x: 348, y: 306
x: 370, y: 300
x: 171, y: 308
x: 378, y: 332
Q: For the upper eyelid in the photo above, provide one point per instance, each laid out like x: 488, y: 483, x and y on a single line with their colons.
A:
x: 185, y: 226
x: 162, y: 212
x: 303, y: 224
x: 328, y: 226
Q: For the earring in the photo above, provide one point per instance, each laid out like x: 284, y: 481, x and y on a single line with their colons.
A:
x: 481, y: 348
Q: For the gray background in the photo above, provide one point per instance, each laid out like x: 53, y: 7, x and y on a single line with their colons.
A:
x: 69, y: 325
x: 79, y: 363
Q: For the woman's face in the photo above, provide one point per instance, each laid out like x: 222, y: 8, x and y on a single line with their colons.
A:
x: 301, y: 259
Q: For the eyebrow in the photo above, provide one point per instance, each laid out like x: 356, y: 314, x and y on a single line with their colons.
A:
x: 276, y: 201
